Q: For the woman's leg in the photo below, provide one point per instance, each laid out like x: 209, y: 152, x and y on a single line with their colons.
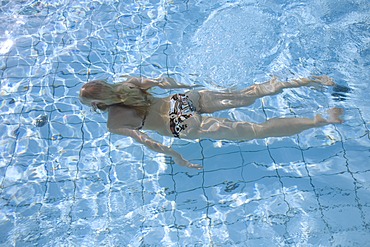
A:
x: 225, y: 129
x: 210, y: 101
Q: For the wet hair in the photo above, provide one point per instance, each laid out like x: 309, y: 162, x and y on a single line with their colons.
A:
x: 114, y: 94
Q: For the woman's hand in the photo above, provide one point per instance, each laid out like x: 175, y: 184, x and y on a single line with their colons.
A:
x: 183, y: 162
x: 153, y: 145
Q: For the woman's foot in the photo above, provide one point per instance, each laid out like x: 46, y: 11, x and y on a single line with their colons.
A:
x: 334, y: 117
x: 335, y: 114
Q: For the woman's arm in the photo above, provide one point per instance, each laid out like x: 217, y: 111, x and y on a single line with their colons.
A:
x: 162, y: 82
x: 155, y: 146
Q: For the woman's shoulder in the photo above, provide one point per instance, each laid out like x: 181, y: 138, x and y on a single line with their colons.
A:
x: 131, y: 82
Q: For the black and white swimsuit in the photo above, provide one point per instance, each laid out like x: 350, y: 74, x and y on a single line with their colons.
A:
x: 181, y: 108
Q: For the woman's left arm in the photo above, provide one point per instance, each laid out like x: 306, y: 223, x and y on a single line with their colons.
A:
x: 155, y: 146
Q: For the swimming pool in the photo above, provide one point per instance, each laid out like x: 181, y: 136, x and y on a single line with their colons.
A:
x: 65, y: 181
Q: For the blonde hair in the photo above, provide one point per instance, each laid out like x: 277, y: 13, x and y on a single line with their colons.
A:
x: 111, y: 94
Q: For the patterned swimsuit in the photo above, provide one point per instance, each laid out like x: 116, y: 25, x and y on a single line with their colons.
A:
x: 181, y: 108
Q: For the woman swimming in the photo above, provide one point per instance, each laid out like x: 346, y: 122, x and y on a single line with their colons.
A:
x: 131, y: 108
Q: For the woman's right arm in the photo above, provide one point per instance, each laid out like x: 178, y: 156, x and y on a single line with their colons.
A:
x: 162, y: 82
x: 155, y: 146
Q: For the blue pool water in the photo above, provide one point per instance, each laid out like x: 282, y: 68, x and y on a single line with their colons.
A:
x: 65, y: 181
